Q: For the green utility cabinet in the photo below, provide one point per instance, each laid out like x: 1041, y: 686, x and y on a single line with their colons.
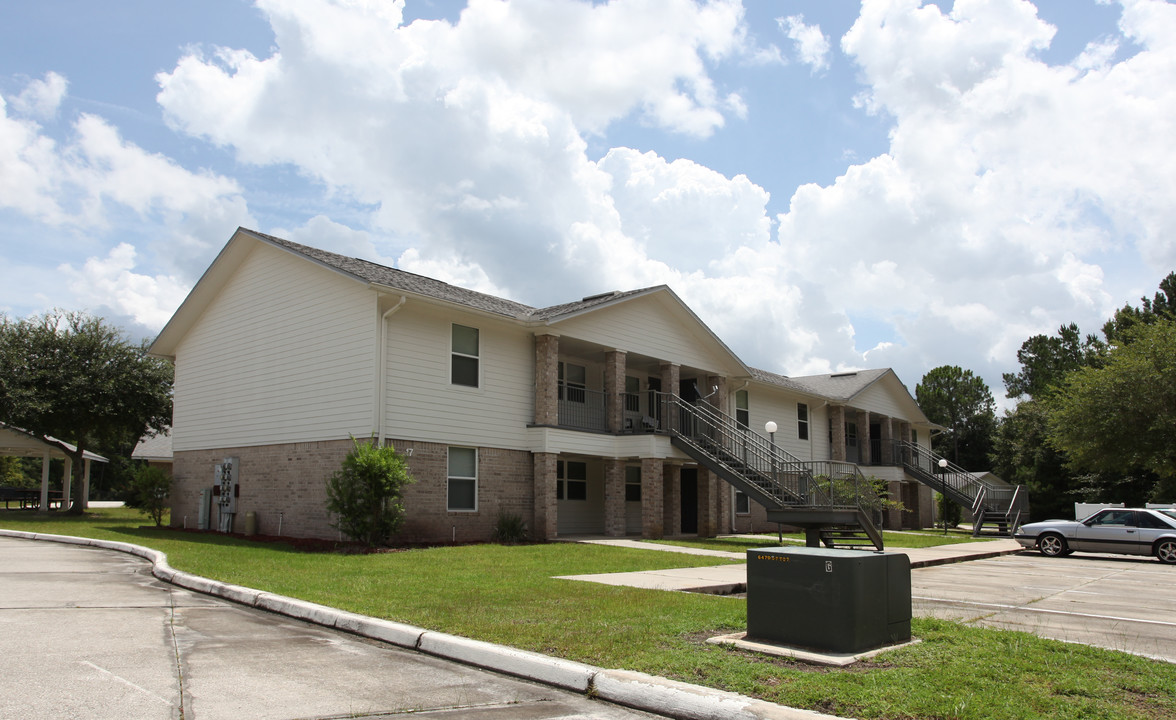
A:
x: 836, y: 601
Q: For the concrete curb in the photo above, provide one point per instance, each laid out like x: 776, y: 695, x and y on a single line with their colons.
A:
x: 648, y: 693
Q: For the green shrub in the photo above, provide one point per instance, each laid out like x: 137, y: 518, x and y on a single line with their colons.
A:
x: 510, y: 528
x: 150, y: 491
x: 365, y: 494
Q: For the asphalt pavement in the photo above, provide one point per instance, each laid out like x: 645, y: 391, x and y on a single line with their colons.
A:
x: 88, y: 632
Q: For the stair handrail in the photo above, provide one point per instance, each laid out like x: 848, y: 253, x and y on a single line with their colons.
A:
x: 709, y: 429
x: 955, y: 479
x: 978, y: 503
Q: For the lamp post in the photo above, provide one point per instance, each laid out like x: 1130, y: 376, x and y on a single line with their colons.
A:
x: 943, y: 482
x: 770, y: 428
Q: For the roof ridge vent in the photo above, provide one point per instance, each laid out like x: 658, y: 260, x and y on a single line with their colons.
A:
x: 600, y: 296
x: 841, y: 375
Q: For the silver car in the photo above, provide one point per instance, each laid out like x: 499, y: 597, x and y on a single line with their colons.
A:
x: 1128, y: 531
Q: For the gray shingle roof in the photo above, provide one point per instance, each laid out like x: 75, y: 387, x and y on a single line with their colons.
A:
x: 419, y: 284
x: 839, y: 386
x: 402, y: 280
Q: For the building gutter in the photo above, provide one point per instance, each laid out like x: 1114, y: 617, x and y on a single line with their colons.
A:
x: 382, y: 370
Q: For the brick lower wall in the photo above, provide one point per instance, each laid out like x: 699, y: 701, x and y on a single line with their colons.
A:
x: 288, y: 483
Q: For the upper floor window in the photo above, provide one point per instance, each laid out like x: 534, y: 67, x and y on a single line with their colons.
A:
x: 462, y: 490
x: 802, y: 421
x: 464, y: 359
x: 573, y: 381
x: 742, y: 411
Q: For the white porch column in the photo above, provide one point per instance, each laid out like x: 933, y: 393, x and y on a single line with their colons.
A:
x: 86, y: 484
x: 67, y: 483
x: 45, y: 482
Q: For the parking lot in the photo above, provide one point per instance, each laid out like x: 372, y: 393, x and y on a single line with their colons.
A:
x: 1117, y: 602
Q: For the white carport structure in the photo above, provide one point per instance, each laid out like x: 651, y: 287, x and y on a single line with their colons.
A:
x: 19, y: 443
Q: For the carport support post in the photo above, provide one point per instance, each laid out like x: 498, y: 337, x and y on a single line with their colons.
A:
x: 44, y: 482
x: 66, y: 483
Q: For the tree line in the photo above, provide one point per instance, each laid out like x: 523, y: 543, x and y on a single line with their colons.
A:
x: 1095, y: 418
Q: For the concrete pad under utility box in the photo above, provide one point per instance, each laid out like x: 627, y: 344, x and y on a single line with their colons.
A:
x: 837, y: 601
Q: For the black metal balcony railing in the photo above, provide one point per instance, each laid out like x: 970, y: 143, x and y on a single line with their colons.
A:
x: 582, y: 409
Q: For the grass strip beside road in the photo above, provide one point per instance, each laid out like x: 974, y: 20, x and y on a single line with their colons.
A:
x: 507, y: 594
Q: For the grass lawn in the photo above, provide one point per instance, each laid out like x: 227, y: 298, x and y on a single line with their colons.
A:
x: 890, y: 539
x: 507, y: 594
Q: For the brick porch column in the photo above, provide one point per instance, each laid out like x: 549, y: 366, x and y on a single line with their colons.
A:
x: 547, y: 379
x: 672, y: 498
x: 652, y: 515
x: 887, y: 441
x: 708, y: 503
x: 614, y: 388
x: 863, y: 425
x: 614, y: 498
x: 837, y: 418
x: 723, y: 493
x: 546, y: 523
x: 670, y: 377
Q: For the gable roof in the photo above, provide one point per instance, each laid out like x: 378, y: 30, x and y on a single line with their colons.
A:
x: 382, y: 277
x: 842, y: 388
x: 17, y: 442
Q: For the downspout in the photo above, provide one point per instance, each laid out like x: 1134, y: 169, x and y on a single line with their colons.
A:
x: 731, y: 490
x: 382, y: 382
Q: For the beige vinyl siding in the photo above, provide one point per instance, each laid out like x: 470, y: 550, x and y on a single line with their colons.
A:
x: 885, y: 398
x: 646, y: 326
x: 284, y: 353
x: 769, y: 403
x: 421, y: 402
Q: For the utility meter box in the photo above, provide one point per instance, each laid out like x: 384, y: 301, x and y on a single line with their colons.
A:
x: 836, y: 601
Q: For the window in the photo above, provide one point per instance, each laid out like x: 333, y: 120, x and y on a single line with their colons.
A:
x: 573, y: 380
x: 462, y: 492
x: 632, y: 484
x: 802, y: 421
x: 742, y: 413
x: 464, y: 360
x: 571, y: 480
x: 632, y: 394
x: 742, y: 503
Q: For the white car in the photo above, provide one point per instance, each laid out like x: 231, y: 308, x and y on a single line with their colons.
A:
x: 1128, y: 531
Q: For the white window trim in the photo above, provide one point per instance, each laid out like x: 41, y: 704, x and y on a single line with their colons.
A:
x: 477, y: 357
x: 735, y: 503
x: 449, y: 477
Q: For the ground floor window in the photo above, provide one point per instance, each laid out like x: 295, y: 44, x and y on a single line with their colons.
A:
x: 742, y: 503
x: 571, y: 480
x: 632, y: 483
x: 462, y: 491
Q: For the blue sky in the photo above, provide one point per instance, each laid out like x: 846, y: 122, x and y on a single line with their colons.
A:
x: 830, y: 185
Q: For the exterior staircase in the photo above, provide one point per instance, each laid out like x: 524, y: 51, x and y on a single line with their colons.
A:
x: 832, y: 501
x: 997, y: 509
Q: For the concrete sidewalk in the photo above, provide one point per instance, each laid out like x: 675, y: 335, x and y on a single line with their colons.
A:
x: 732, y: 578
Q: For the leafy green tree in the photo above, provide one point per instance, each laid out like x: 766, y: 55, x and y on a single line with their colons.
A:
x: 961, y: 401
x: 364, y: 495
x: 1162, y: 306
x: 1023, y: 455
x: 1045, y: 360
x: 1121, y: 417
x: 79, y: 379
x: 150, y: 492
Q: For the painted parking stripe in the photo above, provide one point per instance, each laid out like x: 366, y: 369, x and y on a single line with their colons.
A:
x: 1044, y: 611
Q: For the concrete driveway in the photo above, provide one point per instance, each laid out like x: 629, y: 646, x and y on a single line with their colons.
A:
x: 90, y: 633
x: 1111, y: 601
